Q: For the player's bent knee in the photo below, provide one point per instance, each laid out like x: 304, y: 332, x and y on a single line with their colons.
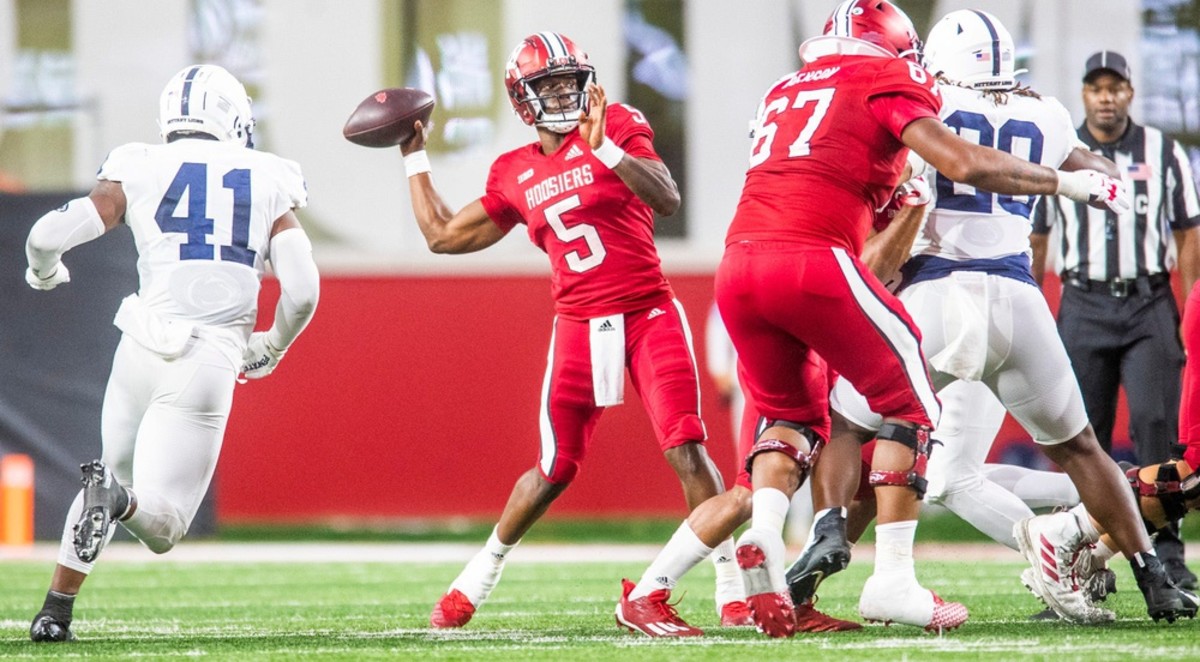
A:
x: 803, y: 458
x: 916, y: 438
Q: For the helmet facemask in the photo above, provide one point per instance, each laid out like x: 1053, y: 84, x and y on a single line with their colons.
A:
x: 569, y: 104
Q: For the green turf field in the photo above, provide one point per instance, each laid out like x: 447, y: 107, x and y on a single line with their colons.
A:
x: 543, y: 611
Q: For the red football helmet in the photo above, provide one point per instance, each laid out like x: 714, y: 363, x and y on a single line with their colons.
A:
x: 878, y: 22
x: 540, y: 55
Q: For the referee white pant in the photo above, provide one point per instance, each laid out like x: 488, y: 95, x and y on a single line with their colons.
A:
x: 162, y: 425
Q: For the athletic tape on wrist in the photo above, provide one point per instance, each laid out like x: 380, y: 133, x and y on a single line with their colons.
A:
x: 417, y: 163
x: 608, y: 153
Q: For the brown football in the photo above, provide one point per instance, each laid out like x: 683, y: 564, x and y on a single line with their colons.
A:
x: 385, y: 119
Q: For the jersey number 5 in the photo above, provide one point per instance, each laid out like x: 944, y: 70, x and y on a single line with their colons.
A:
x: 192, y: 179
x: 596, y: 250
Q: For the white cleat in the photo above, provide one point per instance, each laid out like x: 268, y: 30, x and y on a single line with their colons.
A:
x: 902, y: 600
x: 1051, y: 545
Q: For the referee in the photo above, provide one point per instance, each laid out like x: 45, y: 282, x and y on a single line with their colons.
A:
x: 1118, y: 318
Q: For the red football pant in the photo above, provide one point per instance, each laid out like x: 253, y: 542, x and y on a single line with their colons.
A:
x: 662, y: 368
x: 1189, y: 403
x: 787, y: 306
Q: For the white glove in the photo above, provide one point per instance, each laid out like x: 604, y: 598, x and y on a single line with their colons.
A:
x: 914, y: 192
x: 261, y: 357
x: 57, y: 277
x: 1094, y: 188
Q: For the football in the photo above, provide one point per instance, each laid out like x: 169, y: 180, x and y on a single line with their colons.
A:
x: 385, y: 119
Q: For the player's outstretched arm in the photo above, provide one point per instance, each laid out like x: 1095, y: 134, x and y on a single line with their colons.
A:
x: 649, y: 180
x: 299, y: 289
x: 445, y: 231
x: 77, y: 222
x: 999, y: 172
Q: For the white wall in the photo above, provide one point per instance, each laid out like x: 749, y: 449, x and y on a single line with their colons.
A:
x: 324, y: 56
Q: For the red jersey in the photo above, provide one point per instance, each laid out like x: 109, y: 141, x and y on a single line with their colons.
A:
x: 598, y: 233
x: 827, y: 151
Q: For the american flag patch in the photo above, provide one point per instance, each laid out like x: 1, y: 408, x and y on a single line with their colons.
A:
x: 1138, y: 172
x: 983, y: 56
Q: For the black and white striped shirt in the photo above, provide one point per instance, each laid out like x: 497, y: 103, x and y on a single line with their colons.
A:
x: 1100, y: 245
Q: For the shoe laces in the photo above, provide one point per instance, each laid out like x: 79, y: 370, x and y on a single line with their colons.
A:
x: 667, y: 609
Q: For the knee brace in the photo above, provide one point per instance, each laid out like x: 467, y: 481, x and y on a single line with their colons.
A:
x: 1172, y: 492
x: 918, y: 440
x: 803, y: 460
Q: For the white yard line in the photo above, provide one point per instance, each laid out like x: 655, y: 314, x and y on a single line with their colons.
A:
x: 366, y: 552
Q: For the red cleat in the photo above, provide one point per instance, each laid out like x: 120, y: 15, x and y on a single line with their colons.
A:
x: 736, y: 614
x: 946, y: 615
x: 808, y: 619
x: 454, y: 610
x: 652, y: 615
x: 772, y: 610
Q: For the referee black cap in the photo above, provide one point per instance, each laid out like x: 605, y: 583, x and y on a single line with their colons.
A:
x: 1111, y: 61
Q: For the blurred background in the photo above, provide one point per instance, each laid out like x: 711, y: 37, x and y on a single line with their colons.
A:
x: 412, y: 398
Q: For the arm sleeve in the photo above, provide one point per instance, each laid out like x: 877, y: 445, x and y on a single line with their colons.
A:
x: 59, y: 231
x: 299, y: 286
x: 1181, y: 187
x: 497, y: 206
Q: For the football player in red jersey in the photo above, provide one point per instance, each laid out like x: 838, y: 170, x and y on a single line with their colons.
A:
x: 586, y: 192
x: 829, y: 148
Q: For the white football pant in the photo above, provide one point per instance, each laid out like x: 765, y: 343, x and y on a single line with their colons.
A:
x: 162, y: 426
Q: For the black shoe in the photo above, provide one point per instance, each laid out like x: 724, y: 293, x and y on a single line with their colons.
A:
x: 1045, y: 615
x: 827, y: 553
x: 1163, y: 598
x: 46, y: 628
x: 1180, y: 574
x: 104, y: 501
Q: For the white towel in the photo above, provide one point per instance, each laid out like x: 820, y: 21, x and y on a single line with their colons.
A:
x: 607, y: 341
x: 965, y: 320
x: 167, y: 337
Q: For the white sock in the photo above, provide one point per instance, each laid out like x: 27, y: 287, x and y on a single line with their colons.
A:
x: 800, y: 516
x: 682, y: 552
x: 729, y: 577
x: 1090, y: 534
x: 770, y: 510
x: 1102, y: 552
x: 482, y: 572
x: 894, y: 548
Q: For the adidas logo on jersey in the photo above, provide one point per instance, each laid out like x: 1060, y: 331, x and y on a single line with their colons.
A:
x: 606, y: 326
x: 655, y: 313
x: 574, y: 152
x: 524, y: 177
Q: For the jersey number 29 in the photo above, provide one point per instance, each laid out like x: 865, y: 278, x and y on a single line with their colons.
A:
x: 192, y: 179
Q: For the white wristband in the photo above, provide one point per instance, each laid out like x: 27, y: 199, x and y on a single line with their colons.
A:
x: 608, y: 153
x: 417, y: 163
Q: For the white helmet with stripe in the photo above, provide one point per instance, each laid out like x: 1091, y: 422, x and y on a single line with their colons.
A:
x: 972, y: 48
x: 205, y: 98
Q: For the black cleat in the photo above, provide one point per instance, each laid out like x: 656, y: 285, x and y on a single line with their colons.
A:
x: 1164, y: 600
x: 1180, y: 574
x: 1046, y: 614
x: 46, y: 628
x: 827, y: 553
x: 104, y: 501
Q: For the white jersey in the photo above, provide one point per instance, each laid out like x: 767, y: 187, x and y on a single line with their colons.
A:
x: 965, y: 223
x: 201, y: 212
